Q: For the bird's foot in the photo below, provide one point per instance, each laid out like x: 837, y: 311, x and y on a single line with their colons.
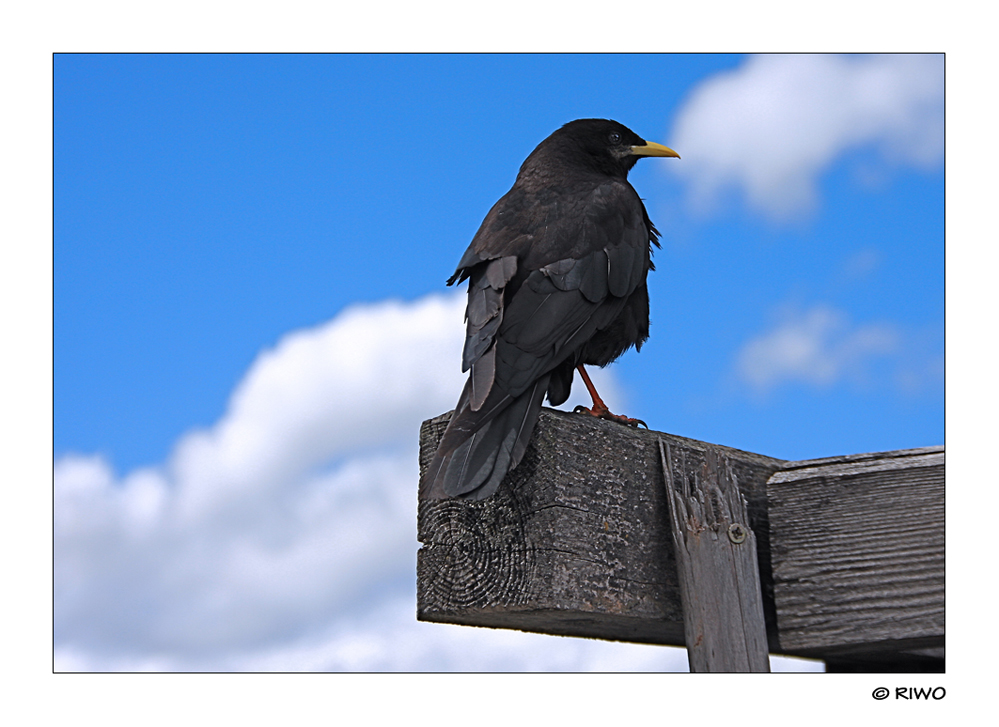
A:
x: 603, y: 412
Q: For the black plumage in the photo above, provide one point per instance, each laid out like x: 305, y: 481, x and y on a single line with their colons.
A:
x: 556, y: 279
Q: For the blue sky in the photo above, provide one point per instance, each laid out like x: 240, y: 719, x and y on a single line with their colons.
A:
x: 248, y: 250
x: 208, y: 204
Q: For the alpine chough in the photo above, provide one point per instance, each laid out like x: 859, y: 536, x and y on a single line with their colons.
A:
x: 556, y: 280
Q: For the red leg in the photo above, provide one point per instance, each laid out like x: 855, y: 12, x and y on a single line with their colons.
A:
x: 600, y: 409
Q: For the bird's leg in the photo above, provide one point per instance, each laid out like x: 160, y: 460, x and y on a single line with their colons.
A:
x: 600, y: 409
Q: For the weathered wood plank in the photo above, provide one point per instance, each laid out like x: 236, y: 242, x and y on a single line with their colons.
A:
x: 857, y: 550
x: 577, y: 540
x: 718, y: 572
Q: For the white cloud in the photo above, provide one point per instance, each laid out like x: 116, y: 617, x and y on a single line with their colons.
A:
x: 818, y: 347
x: 284, y: 536
x: 770, y: 128
x: 387, y: 637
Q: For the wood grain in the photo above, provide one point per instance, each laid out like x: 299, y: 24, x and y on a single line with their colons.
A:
x: 716, y: 561
x: 857, y: 546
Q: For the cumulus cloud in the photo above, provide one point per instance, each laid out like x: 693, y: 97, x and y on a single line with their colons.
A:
x: 284, y: 537
x: 770, y: 128
x: 818, y: 347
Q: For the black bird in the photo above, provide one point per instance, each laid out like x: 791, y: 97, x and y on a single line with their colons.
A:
x: 556, y: 280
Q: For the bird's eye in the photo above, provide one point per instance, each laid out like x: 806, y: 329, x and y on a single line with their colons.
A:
x: 615, y: 138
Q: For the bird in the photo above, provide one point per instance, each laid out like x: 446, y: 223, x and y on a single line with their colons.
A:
x: 556, y: 280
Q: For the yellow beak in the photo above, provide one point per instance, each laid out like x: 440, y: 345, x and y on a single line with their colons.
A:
x: 652, y: 149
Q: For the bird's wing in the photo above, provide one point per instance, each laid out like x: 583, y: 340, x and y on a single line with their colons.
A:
x: 544, y: 277
x: 562, y: 303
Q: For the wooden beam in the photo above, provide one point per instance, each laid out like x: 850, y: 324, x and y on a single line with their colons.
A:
x: 577, y: 540
x: 857, y: 547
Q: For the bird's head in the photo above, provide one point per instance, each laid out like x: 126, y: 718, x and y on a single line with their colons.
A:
x: 600, y: 145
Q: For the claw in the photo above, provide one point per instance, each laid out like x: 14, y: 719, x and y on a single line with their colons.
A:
x: 599, y: 408
x: 605, y: 413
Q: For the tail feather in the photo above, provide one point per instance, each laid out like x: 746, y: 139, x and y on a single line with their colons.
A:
x: 475, y: 455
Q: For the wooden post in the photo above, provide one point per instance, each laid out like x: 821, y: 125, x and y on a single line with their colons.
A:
x: 716, y: 559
